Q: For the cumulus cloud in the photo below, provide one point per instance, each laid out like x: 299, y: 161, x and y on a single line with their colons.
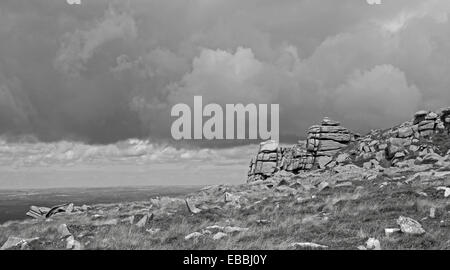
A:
x: 78, y: 47
x: 376, y: 97
x: 106, y: 72
x: 16, y: 111
x: 74, y: 2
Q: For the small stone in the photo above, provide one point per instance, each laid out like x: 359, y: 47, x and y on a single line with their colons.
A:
x: 231, y: 198
x: 342, y: 158
x: 373, y: 243
x: 410, y: 226
x: 192, y: 208
x: 263, y: 221
x: 413, y: 148
x: 129, y: 219
x: 219, y: 235
x: 153, y: 231
x: 344, y: 184
x: 323, y: 185
x: 16, y: 242
x: 63, y: 230
x: 193, y: 235
x: 215, y: 227
x: 308, y: 245
x: 268, y: 146
x: 328, y: 122
x: 431, y: 158
x: 432, y: 212
x: 431, y: 116
x: 390, y: 231
x: 446, y: 191
x: 230, y: 229
x: 69, y: 208
x: 142, y: 222
x: 72, y: 244
x: 323, y: 161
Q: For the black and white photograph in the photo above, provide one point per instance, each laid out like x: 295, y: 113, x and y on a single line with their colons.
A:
x: 244, y: 126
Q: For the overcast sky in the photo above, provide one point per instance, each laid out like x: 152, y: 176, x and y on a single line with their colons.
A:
x: 101, y: 71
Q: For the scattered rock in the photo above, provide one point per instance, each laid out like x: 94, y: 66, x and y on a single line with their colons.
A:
x: 308, y: 245
x: 45, y: 212
x: 231, y: 198
x: 373, y: 244
x: 17, y: 242
x: 142, y: 222
x: 323, y: 185
x: 446, y: 191
x: 390, y: 231
x: 72, y: 244
x: 410, y: 226
x: 192, y: 208
x: 63, y: 230
x: 432, y: 212
x: 262, y: 221
x: 342, y: 158
x: 129, y: 219
x: 215, y: 227
x: 219, y: 235
x: 153, y: 231
x: 193, y: 235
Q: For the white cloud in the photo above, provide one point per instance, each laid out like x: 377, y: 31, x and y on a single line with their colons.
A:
x: 374, y: 2
x: 377, y: 97
x: 74, y: 2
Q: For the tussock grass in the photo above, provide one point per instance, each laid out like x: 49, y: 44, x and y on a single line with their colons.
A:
x: 341, y: 218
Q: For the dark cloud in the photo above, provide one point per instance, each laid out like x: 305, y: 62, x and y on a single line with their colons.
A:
x: 105, y: 71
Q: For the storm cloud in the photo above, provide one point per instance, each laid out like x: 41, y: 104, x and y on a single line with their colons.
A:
x: 102, y: 71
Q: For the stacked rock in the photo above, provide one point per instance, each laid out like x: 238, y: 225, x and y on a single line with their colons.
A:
x: 324, y: 141
x: 424, y: 124
x: 267, y: 160
x: 328, y: 138
x: 445, y: 119
x: 297, y: 158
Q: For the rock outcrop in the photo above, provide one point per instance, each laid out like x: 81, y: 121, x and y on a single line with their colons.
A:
x: 329, y: 145
x: 267, y: 161
x: 322, y: 143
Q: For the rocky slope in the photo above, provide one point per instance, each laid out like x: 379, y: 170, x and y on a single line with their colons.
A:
x: 389, y: 189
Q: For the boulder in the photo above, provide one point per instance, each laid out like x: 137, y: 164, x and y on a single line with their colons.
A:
x: 342, y: 158
x: 17, y: 243
x: 142, y: 222
x: 63, y: 230
x: 405, y: 132
x: 328, y: 122
x: 373, y: 244
x: 219, y: 235
x: 419, y: 116
x: 191, y: 207
x: 323, y: 161
x: 410, y: 226
x: 193, y: 235
x: 268, y: 146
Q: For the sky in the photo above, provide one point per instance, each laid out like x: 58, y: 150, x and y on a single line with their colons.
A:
x: 103, y: 71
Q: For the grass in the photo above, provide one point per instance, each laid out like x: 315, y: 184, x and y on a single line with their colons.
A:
x: 341, y: 218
